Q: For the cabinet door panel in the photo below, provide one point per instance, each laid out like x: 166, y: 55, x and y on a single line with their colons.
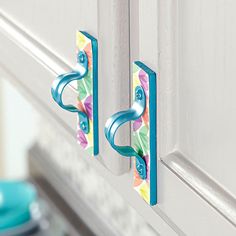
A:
x: 50, y: 28
x: 207, y: 108
x: 54, y: 23
x: 178, y: 40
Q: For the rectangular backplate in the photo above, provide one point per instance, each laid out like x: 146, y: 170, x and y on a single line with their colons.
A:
x: 88, y: 93
x: 144, y: 138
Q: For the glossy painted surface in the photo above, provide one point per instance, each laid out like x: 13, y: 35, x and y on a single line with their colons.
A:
x: 87, y: 88
x: 121, y: 117
x: 63, y: 80
x: 144, y: 133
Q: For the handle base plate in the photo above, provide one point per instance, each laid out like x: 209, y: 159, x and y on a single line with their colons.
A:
x: 88, y: 93
x: 144, y: 139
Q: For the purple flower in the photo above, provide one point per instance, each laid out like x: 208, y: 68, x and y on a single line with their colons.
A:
x: 82, y: 139
x: 143, y: 80
x: 88, y: 106
x: 137, y: 124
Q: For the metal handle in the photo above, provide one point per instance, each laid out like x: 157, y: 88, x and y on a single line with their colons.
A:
x: 118, y: 119
x: 62, y: 81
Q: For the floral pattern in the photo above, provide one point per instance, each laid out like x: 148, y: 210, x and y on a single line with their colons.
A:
x: 85, y: 94
x: 141, y: 133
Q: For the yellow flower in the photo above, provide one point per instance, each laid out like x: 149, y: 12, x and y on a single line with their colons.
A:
x: 81, y: 40
x: 144, y: 192
x: 90, y: 134
x: 136, y: 81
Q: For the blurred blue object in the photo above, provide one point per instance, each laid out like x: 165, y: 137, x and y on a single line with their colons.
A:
x: 16, y: 198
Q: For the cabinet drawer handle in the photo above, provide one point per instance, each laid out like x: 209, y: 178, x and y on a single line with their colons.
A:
x: 86, y: 76
x: 118, y: 119
x: 62, y: 81
x: 144, y: 141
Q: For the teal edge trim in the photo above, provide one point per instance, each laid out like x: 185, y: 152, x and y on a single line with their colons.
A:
x: 153, y: 131
x: 95, y: 92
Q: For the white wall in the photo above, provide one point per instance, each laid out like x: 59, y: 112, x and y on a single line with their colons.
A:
x: 17, y: 131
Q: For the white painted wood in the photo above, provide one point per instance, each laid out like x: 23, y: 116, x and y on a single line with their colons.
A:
x: 168, y: 75
x: 202, y: 184
x: 54, y: 23
x: 196, y: 69
x: 198, y: 37
x: 51, y: 41
x: 207, y: 108
x: 157, y: 30
x: 113, y: 35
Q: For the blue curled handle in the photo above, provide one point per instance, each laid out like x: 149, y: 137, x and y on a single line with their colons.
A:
x: 118, y: 119
x: 63, y: 80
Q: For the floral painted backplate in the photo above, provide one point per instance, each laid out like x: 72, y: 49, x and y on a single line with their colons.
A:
x: 87, y: 87
x: 141, y: 136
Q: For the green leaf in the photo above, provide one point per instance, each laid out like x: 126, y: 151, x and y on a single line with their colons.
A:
x: 143, y: 135
x: 88, y: 82
x: 90, y: 150
x: 81, y: 90
x: 137, y: 145
x: 135, y: 68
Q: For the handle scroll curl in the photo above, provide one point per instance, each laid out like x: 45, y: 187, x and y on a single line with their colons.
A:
x: 118, y: 119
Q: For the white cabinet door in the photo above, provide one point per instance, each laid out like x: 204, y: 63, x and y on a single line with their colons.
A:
x: 206, y: 81
x: 46, y: 31
x: 190, y: 44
